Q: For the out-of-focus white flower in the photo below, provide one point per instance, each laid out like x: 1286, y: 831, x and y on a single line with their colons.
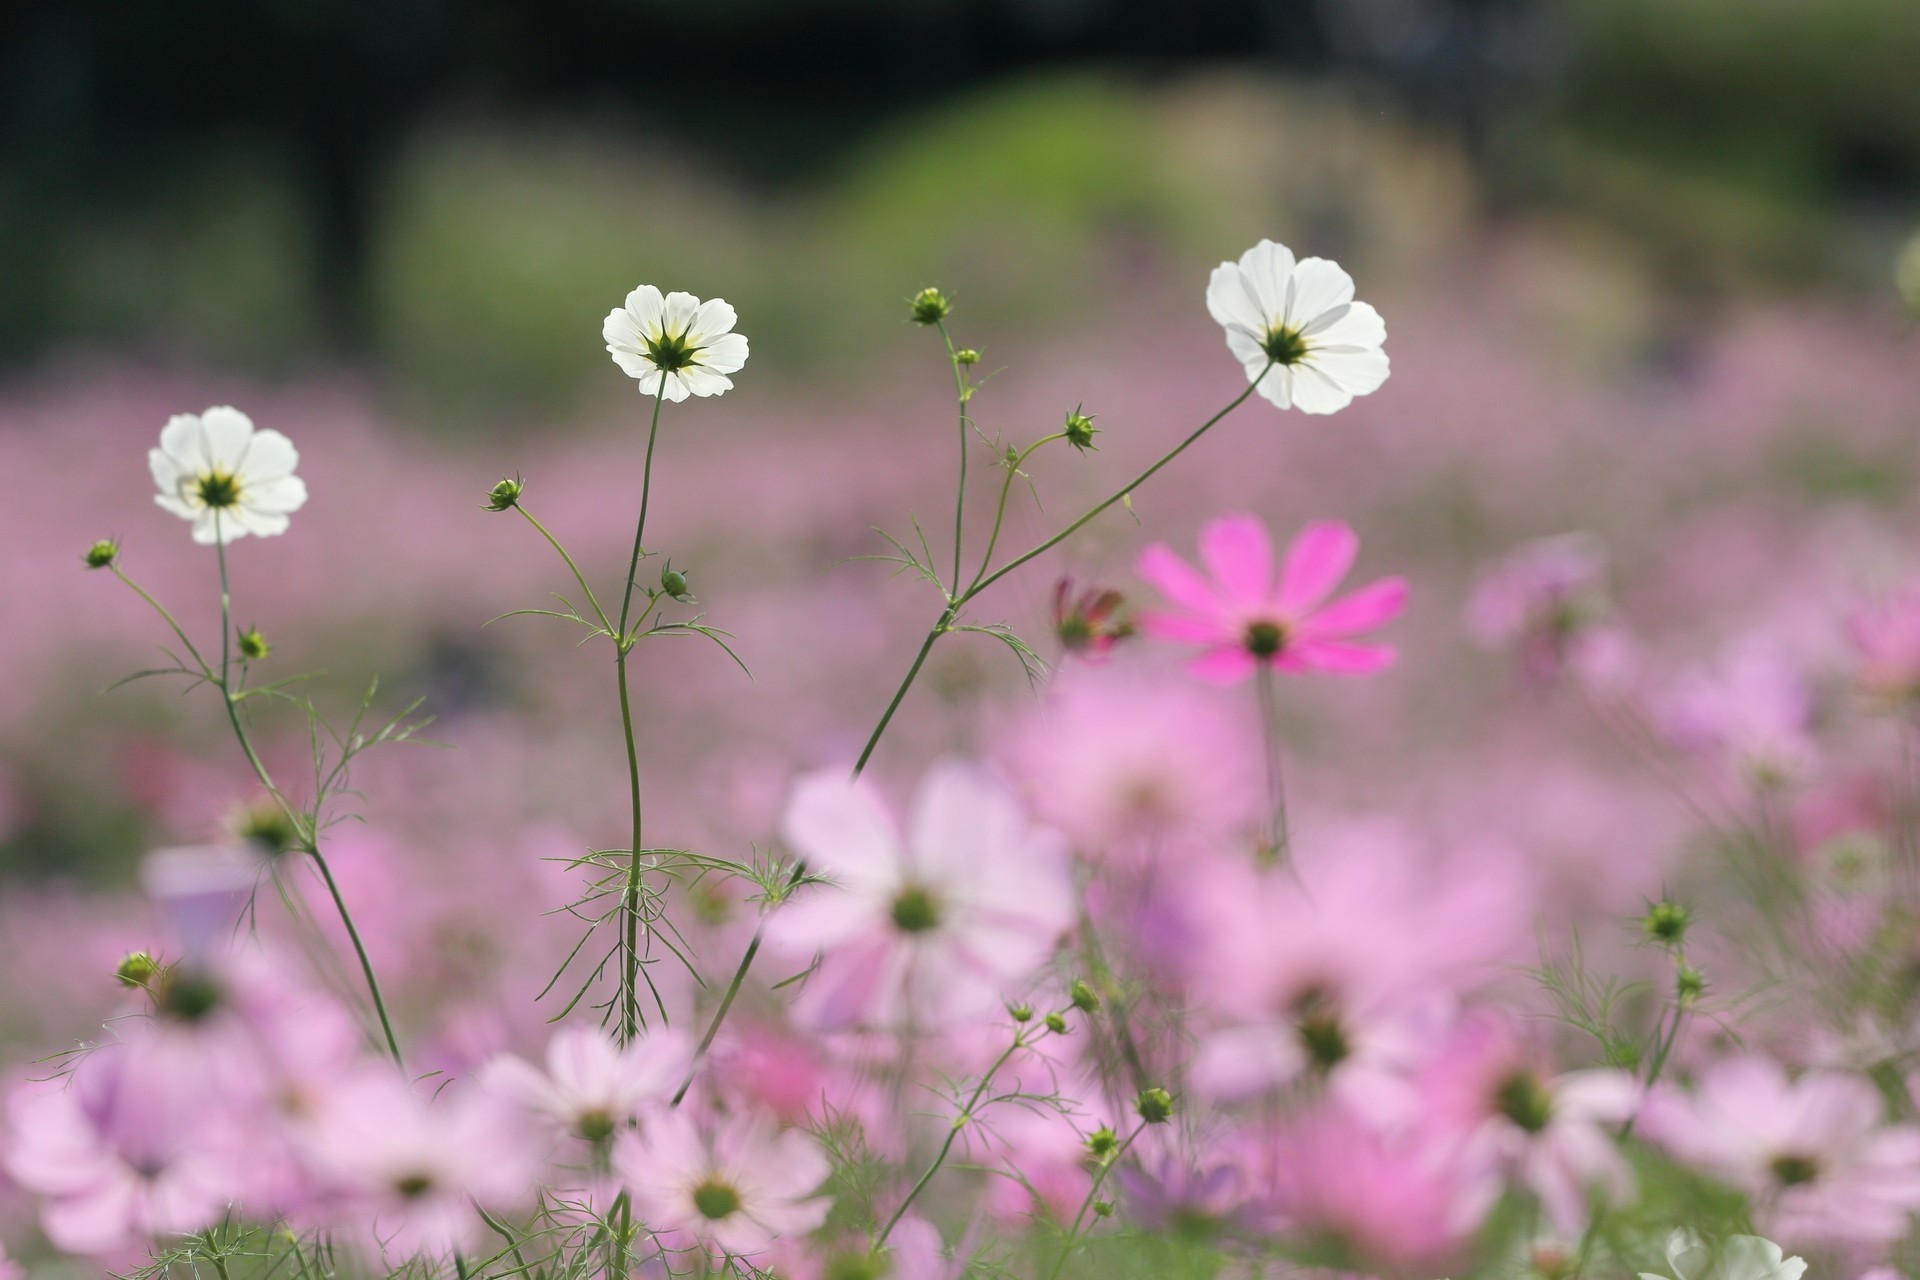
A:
x: 1740, y: 1258
x: 1297, y: 323
x: 676, y: 346
x: 214, y: 469
x: 1906, y: 272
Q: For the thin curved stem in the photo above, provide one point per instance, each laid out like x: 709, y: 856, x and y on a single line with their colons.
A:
x: 306, y: 828
x: 1279, y: 836
x: 1000, y: 511
x: 605, y: 623
x: 1093, y: 1192
x: 630, y: 900
x: 960, y: 495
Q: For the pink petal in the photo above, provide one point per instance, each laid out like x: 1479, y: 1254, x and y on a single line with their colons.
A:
x: 1225, y: 665
x: 1316, y: 562
x: 1338, y: 657
x: 1177, y: 580
x: 1185, y: 630
x: 1373, y: 605
x: 1239, y: 555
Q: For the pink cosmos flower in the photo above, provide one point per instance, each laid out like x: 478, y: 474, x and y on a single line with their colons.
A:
x: 592, y: 1087
x: 411, y: 1174
x: 1886, y: 646
x: 940, y: 925
x: 1547, y: 602
x: 733, y: 1189
x: 1812, y: 1152
x: 1245, y: 618
x: 1128, y: 764
x: 1515, y: 1118
x: 1753, y: 711
x: 124, y: 1149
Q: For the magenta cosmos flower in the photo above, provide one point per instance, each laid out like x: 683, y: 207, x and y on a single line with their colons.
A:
x: 1246, y: 617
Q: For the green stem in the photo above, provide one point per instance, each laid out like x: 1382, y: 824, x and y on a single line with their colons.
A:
x: 1093, y: 1192
x: 960, y: 496
x: 307, y: 829
x: 165, y: 617
x: 605, y: 624
x: 953, y: 1132
x: 1000, y: 511
x: 919, y: 660
x: 630, y: 901
x: 1278, y: 834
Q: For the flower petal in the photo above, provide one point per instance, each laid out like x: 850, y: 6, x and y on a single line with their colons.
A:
x: 1232, y: 301
x: 725, y: 354
x: 1228, y: 664
x: 677, y: 314
x: 1340, y: 657
x: 1356, y: 371
x: 1315, y: 392
x: 269, y: 455
x: 1239, y: 555
x: 1269, y: 269
x: 1373, y: 605
x: 1177, y: 580
x: 711, y: 319
x: 1316, y: 562
x: 646, y: 306
x: 842, y: 828
x: 1316, y: 288
x: 225, y: 431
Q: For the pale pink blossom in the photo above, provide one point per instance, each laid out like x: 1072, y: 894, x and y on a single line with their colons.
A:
x: 591, y: 1087
x: 945, y: 923
x: 734, y: 1187
x: 1245, y: 616
x: 1545, y: 601
x: 1886, y: 648
x: 1752, y: 712
x: 1815, y: 1153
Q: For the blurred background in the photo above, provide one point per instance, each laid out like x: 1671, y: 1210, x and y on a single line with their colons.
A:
x: 1641, y: 262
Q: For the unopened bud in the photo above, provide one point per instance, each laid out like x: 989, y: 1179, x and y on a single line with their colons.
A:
x: 1079, y: 430
x: 1021, y: 1012
x: 1689, y: 984
x: 102, y: 553
x: 1056, y: 1024
x: 264, y: 824
x: 137, y: 969
x: 930, y: 306
x: 1103, y: 1208
x: 1102, y: 1142
x: 505, y: 494
x: 1083, y: 997
x: 1666, y: 923
x: 1155, y: 1106
x: 674, y: 582
x: 253, y: 645
x: 966, y: 355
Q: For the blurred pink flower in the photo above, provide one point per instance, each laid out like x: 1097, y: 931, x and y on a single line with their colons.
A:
x: 939, y: 926
x: 9, y: 1269
x: 592, y: 1087
x: 408, y: 1175
x: 1544, y: 600
x: 1886, y: 648
x: 1813, y: 1152
x: 1244, y: 617
x: 1516, y: 1118
x: 124, y: 1149
x: 1752, y: 710
x: 733, y: 1188
x: 1091, y: 623
x: 1126, y: 763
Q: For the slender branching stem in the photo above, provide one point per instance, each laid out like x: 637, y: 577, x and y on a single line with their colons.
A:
x: 606, y: 624
x: 960, y: 492
x: 630, y: 902
x: 1093, y: 1192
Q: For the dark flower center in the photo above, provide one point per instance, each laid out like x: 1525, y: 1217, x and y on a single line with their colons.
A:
x: 915, y: 910
x: 1265, y: 638
x: 715, y: 1199
x: 218, y: 489
x: 670, y: 352
x: 1284, y: 346
x: 1317, y: 1023
x: 413, y: 1185
x: 1794, y: 1170
x: 1522, y: 1099
x: 594, y: 1126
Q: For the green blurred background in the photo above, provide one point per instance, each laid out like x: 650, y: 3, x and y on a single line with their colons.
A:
x: 438, y: 193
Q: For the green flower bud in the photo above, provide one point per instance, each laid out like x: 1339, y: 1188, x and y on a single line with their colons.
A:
x: 674, y: 582
x: 137, y: 969
x: 1103, y: 1208
x: 1080, y: 430
x: 1083, y: 997
x: 1102, y: 1142
x: 266, y: 826
x: 102, y: 553
x: 966, y: 355
x: 1021, y: 1012
x: 1666, y: 923
x: 1689, y: 984
x: 253, y: 645
x: 505, y: 494
x: 930, y: 306
x: 1154, y: 1105
x: 1056, y: 1024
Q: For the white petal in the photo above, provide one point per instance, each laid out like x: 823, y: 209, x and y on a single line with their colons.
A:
x: 261, y: 524
x: 620, y: 329
x: 204, y: 531
x: 182, y: 441
x: 678, y: 313
x: 1355, y: 325
x: 1355, y: 370
x: 705, y: 382
x: 173, y: 503
x: 635, y: 365
x: 269, y: 455
x: 225, y: 431
x: 1247, y: 350
x: 1318, y: 286
x: 713, y: 318
x: 1277, y: 386
x: 645, y: 305
x: 674, y: 387
x: 1231, y: 300
x: 1269, y: 268
x: 166, y: 472
x: 277, y: 496
x: 1315, y: 392
x: 725, y: 354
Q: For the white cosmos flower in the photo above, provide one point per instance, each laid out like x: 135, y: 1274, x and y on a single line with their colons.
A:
x: 1300, y: 318
x: 676, y: 346
x: 1740, y: 1258
x: 214, y: 469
